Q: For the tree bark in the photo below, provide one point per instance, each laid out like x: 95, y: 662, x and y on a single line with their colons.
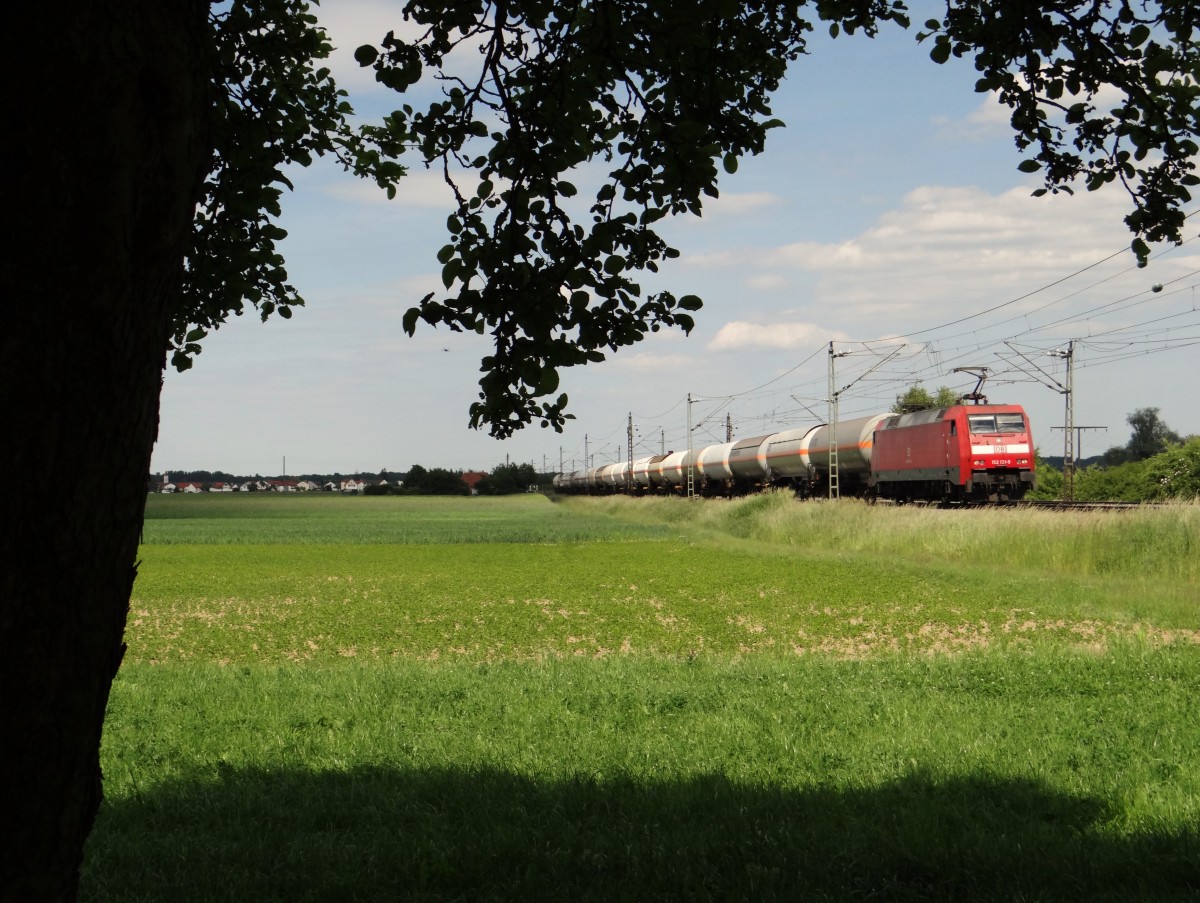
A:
x: 107, y: 128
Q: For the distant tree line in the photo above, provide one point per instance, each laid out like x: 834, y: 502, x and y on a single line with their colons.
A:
x: 1150, y: 437
x: 434, y: 481
x: 504, y: 479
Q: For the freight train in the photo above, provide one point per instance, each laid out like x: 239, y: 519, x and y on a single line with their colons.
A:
x: 957, y: 455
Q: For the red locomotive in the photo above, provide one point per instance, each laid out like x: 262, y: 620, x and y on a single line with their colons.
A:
x: 965, y: 453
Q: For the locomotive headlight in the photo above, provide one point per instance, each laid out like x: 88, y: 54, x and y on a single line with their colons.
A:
x: 1022, y: 460
x: 979, y: 462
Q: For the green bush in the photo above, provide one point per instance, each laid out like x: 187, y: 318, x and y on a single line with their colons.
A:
x: 1172, y: 474
x: 1175, y: 473
x: 1049, y: 480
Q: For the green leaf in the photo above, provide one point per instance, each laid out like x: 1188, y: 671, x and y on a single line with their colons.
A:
x: 410, y: 320
x: 450, y: 272
x: 730, y: 163
x: 1141, y: 250
x: 547, y: 381
x: 1029, y: 166
x: 366, y: 55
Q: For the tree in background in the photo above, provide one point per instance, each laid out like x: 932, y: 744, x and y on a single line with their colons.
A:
x: 918, y: 398
x: 440, y: 481
x: 147, y: 142
x: 414, y: 480
x: 1150, y: 437
x: 434, y: 481
x: 506, y: 479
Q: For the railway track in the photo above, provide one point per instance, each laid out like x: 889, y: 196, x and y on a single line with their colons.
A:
x: 1049, y: 505
x: 1083, y: 506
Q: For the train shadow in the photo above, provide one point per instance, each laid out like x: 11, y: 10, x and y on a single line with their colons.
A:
x: 376, y: 833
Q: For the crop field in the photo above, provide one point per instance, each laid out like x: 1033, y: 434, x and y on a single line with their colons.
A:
x: 354, y: 698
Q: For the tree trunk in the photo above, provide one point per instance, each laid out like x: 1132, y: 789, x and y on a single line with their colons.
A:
x: 107, y: 149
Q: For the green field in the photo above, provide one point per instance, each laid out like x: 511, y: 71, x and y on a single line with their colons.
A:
x: 374, y: 698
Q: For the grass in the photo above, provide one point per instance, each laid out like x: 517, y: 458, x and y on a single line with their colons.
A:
x: 970, y: 777
x: 320, y: 518
x: 733, y: 710
x: 493, y: 602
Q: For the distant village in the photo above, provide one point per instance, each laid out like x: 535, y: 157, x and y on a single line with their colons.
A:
x: 502, y: 480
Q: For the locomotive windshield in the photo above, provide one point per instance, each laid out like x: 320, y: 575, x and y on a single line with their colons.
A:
x: 996, y: 423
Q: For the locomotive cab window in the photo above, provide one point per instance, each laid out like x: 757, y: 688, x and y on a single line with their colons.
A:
x: 997, y: 423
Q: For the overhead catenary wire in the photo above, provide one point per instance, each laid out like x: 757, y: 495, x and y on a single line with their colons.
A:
x: 938, y: 352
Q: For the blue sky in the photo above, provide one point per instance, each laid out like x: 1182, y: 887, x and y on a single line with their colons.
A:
x: 888, y: 216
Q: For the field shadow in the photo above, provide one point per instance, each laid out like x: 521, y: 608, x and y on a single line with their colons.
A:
x: 373, y: 833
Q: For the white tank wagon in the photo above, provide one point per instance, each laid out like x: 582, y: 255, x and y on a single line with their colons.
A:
x: 675, y: 469
x: 644, y: 471
x: 658, y: 472
x: 784, y: 456
x: 671, y: 469
x: 745, y: 471
x: 712, y: 463
x: 593, y: 476
x: 855, y: 441
x: 615, y: 476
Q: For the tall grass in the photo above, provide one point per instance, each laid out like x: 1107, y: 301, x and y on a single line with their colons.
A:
x: 1160, y: 543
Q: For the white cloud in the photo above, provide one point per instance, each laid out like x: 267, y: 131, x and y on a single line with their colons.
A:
x: 767, y: 282
x: 732, y: 204
x: 419, y: 188
x: 651, y: 363
x: 738, y: 335
x: 987, y: 122
x: 943, y: 249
